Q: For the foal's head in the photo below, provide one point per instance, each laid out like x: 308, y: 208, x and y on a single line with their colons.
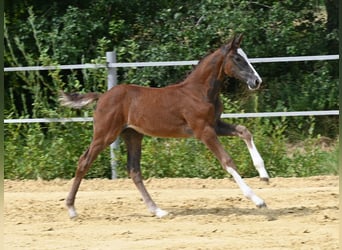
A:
x: 236, y: 64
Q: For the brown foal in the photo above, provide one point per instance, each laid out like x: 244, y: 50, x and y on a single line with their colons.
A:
x: 191, y: 108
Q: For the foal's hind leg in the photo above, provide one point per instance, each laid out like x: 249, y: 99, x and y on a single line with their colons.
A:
x: 223, y: 128
x: 101, y: 139
x: 133, y: 142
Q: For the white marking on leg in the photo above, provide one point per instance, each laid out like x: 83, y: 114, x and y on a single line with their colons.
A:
x: 72, y: 212
x: 246, y: 190
x: 160, y: 213
x: 153, y: 208
x: 258, y: 162
x: 243, y: 54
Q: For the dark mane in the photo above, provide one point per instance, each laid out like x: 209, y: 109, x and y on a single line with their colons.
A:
x: 223, y: 47
x: 194, y: 67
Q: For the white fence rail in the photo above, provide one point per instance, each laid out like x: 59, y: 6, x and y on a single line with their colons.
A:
x: 233, y: 115
x: 169, y: 63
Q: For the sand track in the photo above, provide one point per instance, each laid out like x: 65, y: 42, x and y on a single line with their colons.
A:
x: 204, y: 214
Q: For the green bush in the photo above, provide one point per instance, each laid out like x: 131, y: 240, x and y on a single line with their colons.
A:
x: 49, y: 151
x: 31, y: 154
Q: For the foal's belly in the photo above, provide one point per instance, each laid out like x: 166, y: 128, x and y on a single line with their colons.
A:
x: 179, y: 132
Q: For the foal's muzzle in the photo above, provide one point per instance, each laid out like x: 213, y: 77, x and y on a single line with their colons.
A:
x: 254, y: 83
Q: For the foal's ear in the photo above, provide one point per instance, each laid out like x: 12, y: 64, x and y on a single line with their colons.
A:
x: 237, y: 41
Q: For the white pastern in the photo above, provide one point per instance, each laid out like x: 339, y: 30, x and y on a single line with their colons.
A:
x: 72, y: 213
x: 246, y: 190
x: 160, y: 213
x: 258, y: 162
x: 243, y: 54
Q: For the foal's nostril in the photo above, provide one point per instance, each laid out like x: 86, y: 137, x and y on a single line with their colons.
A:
x: 254, y: 84
x: 258, y: 81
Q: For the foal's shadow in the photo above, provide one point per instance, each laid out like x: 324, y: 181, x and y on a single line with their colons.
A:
x: 268, y: 213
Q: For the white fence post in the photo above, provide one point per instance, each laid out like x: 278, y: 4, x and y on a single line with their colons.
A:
x: 112, y: 81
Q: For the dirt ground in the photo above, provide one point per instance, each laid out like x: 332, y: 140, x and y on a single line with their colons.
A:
x: 204, y: 214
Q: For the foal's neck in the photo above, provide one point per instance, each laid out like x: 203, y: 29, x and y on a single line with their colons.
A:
x: 208, y: 76
x: 210, y: 66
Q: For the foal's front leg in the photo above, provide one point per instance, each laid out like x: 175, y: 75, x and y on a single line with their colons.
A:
x: 225, y: 129
x: 209, y: 138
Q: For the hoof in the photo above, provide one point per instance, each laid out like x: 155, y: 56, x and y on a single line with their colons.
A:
x: 265, y: 179
x: 72, y: 213
x: 160, y: 213
x: 73, y: 217
x: 262, y: 205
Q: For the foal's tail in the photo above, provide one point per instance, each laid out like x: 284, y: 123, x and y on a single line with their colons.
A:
x: 77, y: 101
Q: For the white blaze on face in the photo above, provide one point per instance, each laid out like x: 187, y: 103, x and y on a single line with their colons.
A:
x: 243, y: 54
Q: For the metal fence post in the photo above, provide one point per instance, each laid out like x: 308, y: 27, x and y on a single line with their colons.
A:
x: 112, y: 81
